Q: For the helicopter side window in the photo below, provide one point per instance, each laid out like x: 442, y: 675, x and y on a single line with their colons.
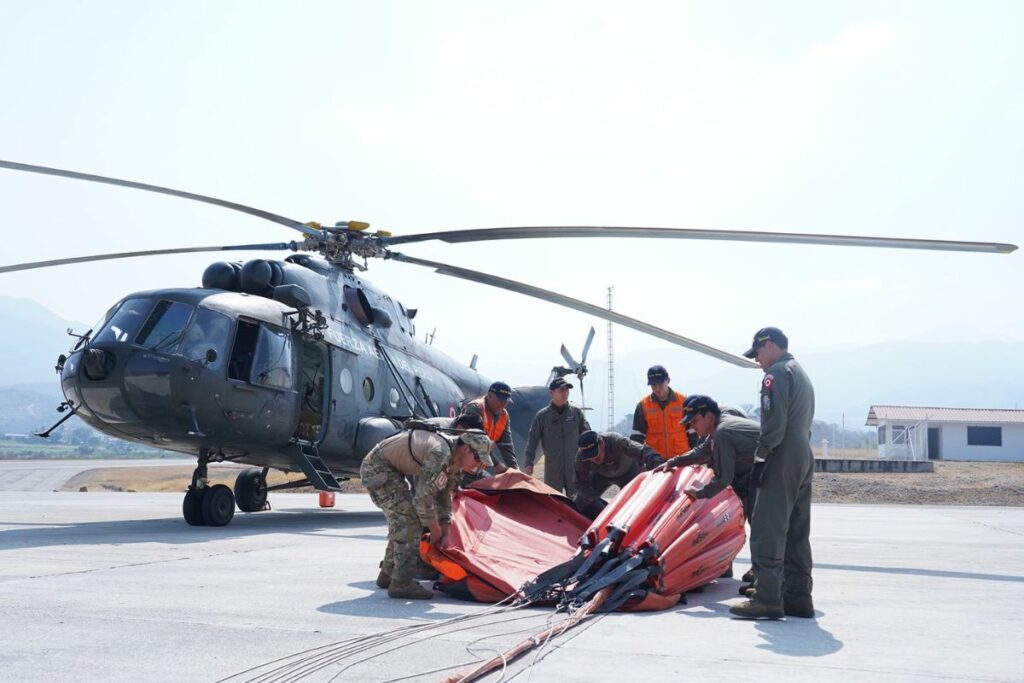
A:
x: 272, y: 365
x: 123, y: 324
x: 243, y: 350
x: 165, y: 326
x: 209, y: 330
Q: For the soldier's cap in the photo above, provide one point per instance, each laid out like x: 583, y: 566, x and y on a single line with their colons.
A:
x: 559, y: 382
x: 772, y: 334
x: 501, y: 390
x: 479, y: 444
x: 656, y: 374
x: 587, y: 445
x: 698, y: 404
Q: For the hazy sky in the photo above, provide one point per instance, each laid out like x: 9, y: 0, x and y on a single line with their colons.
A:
x: 895, y: 119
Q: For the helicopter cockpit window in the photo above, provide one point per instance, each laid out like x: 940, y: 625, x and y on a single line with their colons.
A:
x: 165, y: 326
x: 209, y: 330
x: 125, y: 322
x: 272, y: 365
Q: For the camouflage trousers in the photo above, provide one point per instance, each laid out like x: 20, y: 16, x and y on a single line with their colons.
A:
x: 390, y: 491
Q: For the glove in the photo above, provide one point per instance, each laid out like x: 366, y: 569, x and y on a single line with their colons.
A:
x: 757, y: 474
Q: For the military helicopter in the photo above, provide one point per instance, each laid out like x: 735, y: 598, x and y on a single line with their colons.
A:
x: 302, y: 364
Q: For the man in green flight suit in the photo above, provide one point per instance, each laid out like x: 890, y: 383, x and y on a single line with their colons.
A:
x: 783, y: 470
x: 438, y: 461
x: 556, y: 428
x: 728, y: 442
x: 606, y: 460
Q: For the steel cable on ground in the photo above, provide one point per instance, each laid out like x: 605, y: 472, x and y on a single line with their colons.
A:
x: 435, y: 635
x: 468, y: 645
x: 354, y: 646
x: 572, y: 636
x: 327, y: 659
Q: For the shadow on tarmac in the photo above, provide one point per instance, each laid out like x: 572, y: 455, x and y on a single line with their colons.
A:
x: 174, y: 530
x: 378, y: 604
x: 913, y: 571
x: 793, y: 637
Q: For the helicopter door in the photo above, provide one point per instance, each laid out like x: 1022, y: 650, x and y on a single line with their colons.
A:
x: 313, y: 391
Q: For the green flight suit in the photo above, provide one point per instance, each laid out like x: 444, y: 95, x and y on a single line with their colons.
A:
x: 781, y: 525
x: 731, y: 449
x: 623, y: 460
x: 556, y: 429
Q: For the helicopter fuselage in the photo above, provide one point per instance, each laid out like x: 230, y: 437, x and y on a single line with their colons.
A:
x: 244, y: 376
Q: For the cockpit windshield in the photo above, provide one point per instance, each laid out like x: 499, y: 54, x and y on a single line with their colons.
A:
x: 123, y: 324
x: 209, y: 330
x: 165, y: 326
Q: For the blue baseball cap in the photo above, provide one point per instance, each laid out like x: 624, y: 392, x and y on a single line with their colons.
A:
x: 501, y: 390
x: 698, y: 404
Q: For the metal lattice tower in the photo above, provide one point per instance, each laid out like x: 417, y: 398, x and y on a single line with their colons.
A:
x: 611, y: 370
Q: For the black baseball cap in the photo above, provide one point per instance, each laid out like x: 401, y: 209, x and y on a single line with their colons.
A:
x: 501, y: 390
x: 587, y: 445
x: 764, y: 334
x: 696, y: 405
x: 559, y: 382
x: 656, y: 374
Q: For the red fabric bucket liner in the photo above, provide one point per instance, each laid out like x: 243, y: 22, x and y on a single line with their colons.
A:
x: 508, y: 529
x: 505, y: 531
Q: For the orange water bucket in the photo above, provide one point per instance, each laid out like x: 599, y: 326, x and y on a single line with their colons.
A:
x: 327, y: 499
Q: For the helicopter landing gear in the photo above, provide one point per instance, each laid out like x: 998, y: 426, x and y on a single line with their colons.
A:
x: 218, y: 505
x: 207, y: 505
x: 251, y: 490
x: 192, y: 507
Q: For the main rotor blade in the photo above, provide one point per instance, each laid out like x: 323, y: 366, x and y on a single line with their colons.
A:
x: 155, y: 252
x: 518, y: 233
x: 582, y: 306
x: 586, y: 346
x: 45, y: 170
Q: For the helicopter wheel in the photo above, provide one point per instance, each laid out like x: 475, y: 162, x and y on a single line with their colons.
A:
x: 251, y: 490
x: 218, y: 505
x: 192, y: 507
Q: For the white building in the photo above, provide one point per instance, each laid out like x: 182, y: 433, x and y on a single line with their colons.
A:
x: 914, y: 433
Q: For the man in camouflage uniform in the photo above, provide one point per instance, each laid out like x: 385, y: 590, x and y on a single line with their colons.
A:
x: 556, y: 428
x: 783, y: 470
x: 438, y: 461
x: 606, y: 460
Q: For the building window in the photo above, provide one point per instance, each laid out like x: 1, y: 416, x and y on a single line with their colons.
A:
x: 881, y: 434
x: 984, y: 436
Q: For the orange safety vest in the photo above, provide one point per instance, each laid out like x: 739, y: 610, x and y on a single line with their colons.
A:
x: 494, y: 428
x: 665, y: 434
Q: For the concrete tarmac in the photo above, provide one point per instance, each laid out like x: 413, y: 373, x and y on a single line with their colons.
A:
x: 115, y: 586
x: 51, y: 475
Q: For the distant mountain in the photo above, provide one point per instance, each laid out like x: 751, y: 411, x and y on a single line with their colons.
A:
x: 26, y: 408
x: 32, y: 338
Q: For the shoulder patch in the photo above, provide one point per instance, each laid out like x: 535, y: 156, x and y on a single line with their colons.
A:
x: 768, y: 379
x: 441, y: 480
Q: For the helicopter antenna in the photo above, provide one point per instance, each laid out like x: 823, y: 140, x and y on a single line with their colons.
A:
x: 429, y: 337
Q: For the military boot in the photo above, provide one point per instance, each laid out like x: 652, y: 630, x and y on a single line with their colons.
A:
x: 727, y: 574
x: 755, y: 609
x: 747, y: 591
x: 801, y: 607
x: 425, y: 572
x: 383, y: 579
x: 749, y: 576
x: 408, y: 590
